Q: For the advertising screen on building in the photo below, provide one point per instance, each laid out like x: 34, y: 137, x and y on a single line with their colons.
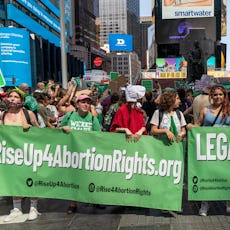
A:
x: 15, y: 56
x: 121, y: 42
x: 171, y: 67
x: 175, y: 30
x: 172, y: 9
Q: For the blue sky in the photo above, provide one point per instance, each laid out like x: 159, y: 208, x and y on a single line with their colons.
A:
x: 145, y: 7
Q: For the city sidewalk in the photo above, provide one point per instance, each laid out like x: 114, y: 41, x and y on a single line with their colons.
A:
x: 91, y: 217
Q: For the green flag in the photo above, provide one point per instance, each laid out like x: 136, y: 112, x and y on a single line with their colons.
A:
x: 2, y: 79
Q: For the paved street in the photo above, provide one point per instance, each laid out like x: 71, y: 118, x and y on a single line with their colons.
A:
x: 91, y: 217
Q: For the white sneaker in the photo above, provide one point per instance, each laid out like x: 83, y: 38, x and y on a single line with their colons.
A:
x: 14, y: 213
x: 33, y: 214
x: 228, y: 206
x: 204, y: 208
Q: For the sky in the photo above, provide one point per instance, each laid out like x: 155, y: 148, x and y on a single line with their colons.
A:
x: 145, y: 7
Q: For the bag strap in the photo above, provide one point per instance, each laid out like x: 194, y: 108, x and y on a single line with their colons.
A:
x: 213, y: 123
x: 70, y: 116
x: 26, y: 113
x: 161, y: 115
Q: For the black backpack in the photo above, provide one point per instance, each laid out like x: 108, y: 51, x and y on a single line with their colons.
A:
x: 26, y: 113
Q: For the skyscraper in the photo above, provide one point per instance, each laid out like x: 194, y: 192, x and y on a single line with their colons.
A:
x: 119, y: 17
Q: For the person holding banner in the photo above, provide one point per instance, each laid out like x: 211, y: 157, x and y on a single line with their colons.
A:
x: 216, y: 114
x: 166, y: 121
x: 16, y: 115
x: 81, y: 120
x: 129, y: 119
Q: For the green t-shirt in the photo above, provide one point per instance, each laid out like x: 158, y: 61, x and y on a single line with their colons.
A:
x: 76, y: 122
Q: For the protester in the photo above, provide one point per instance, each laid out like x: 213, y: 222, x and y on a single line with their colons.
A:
x: 149, y: 106
x: 129, y: 119
x: 113, y: 107
x: 215, y: 114
x: 16, y: 115
x: 3, y: 100
x: 200, y: 101
x: 40, y: 87
x: 170, y: 125
x: 44, y: 117
x: 82, y: 120
x: 30, y: 102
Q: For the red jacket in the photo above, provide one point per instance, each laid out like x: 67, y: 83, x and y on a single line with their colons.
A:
x: 133, y: 119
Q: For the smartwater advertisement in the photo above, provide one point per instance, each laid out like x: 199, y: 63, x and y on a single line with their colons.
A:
x: 15, y: 56
x: 187, y: 9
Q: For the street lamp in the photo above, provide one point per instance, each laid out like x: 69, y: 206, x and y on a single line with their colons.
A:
x: 63, y: 45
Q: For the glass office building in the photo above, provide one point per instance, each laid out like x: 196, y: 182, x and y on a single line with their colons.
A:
x: 119, y: 17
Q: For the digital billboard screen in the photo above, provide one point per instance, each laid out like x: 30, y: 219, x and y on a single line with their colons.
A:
x: 172, y: 9
x: 15, y: 56
x: 172, y: 31
x: 121, y: 42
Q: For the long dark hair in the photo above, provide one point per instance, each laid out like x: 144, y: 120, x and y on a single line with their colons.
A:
x: 225, y: 104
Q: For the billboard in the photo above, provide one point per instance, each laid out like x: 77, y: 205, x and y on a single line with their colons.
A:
x: 25, y: 21
x: 37, y: 10
x: 175, y: 30
x: 15, y: 56
x: 172, y: 9
x: 121, y: 42
x: 171, y: 67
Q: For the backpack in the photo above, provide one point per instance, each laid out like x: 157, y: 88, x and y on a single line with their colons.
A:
x: 26, y: 113
x: 161, y: 112
x: 108, y: 118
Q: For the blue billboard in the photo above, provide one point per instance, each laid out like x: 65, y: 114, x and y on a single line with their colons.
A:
x: 121, y: 42
x: 41, y: 13
x: 15, y: 56
x: 24, y: 20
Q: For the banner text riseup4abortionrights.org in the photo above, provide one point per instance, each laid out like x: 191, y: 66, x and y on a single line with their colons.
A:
x: 118, y: 162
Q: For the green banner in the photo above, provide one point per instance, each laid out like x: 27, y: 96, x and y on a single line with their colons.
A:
x: 148, y: 84
x: 208, y: 163
x: 93, y: 167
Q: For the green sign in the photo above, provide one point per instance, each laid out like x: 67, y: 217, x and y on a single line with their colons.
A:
x: 148, y: 84
x: 2, y: 79
x: 208, y: 163
x: 113, y: 75
x: 92, y: 167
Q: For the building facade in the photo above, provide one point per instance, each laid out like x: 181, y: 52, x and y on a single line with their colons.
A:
x: 84, y: 43
x: 145, y: 23
x: 119, y: 17
x: 40, y: 20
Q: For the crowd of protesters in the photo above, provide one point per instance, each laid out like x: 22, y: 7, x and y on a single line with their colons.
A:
x: 168, y: 112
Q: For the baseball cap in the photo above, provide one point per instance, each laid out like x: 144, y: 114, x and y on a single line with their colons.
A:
x: 83, y: 97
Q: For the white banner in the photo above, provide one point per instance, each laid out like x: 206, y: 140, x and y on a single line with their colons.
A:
x: 172, y: 9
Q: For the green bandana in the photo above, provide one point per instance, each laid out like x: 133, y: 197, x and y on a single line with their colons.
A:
x: 173, y: 127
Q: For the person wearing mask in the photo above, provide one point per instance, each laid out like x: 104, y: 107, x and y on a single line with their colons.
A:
x: 16, y: 115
